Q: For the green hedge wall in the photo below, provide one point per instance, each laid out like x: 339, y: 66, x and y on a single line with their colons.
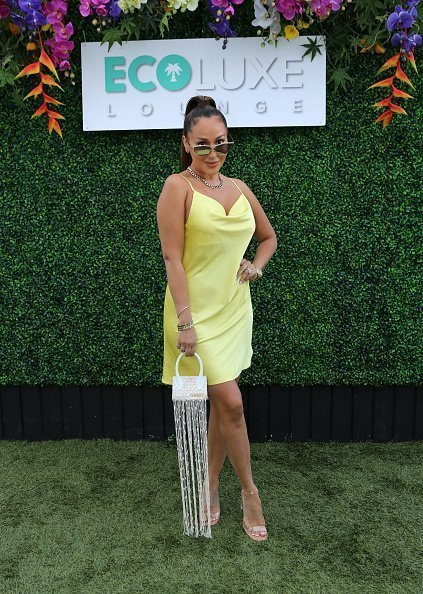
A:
x: 82, y: 275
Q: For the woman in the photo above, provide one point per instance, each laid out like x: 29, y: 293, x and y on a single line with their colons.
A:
x: 206, y: 222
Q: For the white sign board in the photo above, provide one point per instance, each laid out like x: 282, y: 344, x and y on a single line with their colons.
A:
x: 146, y: 84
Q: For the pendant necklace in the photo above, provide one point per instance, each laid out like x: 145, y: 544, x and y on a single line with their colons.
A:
x: 219, y: 185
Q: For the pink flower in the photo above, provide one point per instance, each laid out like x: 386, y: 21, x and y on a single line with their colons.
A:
x: 62, y: 32
x: 64, y: 65
x: 85, y: 8
x: 102, y: 10
x: 322, y: 8
x: 220, y: 3
x: 289, y: 8
x: 55, y: 10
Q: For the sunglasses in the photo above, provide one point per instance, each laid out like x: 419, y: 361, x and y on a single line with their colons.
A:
x: 203, y: 150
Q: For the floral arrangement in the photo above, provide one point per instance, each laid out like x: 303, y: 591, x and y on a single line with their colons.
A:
x: 43, y: 27
x: 401, y: 20
x: 31, y: 19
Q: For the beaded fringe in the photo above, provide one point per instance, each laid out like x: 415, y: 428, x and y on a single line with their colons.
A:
x: 191, y: 440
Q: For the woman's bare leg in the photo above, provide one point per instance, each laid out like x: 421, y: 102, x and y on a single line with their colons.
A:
x: 217, y: 455
x: 227, y: 400
x: 216, y: 445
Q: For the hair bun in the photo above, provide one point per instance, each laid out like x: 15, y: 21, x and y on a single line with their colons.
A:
x: 199, y: 100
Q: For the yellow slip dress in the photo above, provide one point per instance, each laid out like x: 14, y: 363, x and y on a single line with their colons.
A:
x: 221, y: 308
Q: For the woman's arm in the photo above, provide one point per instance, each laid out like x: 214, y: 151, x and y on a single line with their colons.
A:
x: 171, y: 224
x: 264, y: 233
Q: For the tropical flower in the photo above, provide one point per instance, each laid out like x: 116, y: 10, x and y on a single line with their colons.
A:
x: 267, y: 16
x: 183, y: 5
x: 129, y: 5
x: 400, y: 18
x: 291, y: 32
x: 289, y: 8
x: 221, y: 26
x: 55, y: 11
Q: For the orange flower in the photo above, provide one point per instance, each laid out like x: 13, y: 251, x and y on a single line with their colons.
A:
x: 31, y: 46
x: 14, y: 29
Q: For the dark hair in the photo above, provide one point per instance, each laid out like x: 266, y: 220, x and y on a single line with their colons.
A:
x: 197, y: 107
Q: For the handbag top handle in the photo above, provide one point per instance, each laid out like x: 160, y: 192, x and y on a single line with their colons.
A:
x: 200, y: 378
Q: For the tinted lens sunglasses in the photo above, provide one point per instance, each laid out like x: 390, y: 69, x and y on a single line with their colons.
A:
x: 203, y: 150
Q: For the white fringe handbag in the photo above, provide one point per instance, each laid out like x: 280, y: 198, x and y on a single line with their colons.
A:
x: 189, y: 395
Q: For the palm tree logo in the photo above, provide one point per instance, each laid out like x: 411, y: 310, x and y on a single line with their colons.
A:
x: 173, y: 70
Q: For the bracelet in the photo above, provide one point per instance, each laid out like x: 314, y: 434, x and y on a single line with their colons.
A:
x: 186, y: 307
x: 186, y: 326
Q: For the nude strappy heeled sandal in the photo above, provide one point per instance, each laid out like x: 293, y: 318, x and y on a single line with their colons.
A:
x: 253, y: 534
x: 214, y: 517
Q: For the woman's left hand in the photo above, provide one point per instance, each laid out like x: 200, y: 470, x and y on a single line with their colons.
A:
x: 246, y: 271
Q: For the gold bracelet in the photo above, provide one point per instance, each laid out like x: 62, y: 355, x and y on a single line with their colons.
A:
x: 186, y: 307
x: 186, y: 326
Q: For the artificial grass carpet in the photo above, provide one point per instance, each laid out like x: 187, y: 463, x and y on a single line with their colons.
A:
x: 106, y: 516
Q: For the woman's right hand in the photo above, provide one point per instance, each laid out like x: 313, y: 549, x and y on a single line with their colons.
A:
x: 187, y: 340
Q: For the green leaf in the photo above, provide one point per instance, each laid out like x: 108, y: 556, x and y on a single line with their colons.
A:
x: 111, y: 36
x: 339, y: 78
x: 313, y: 48
x: 164, y: 23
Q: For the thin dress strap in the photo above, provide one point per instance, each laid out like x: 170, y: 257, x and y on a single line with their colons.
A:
x: 236, y: 185
x: 187, y: 180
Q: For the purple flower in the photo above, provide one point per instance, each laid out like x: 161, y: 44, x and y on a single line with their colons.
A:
x: 61, y: 32
x: 101, y: 10
x: 412, y: 41
x: 322, y: 8
x: 115, y: 10
x: 64, y: 65
x: 221, y: 27
x: 35, y: 19
x: 30, y: 5
x: 18, y: 20
x: 396, y: 40
x: 399, y: 19
x: 289, y: 8
x: 55, y: 11
x: 4, y: 10
x: 85, y: 8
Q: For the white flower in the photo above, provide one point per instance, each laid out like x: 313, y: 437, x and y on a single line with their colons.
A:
x: 130, y: 5
x: 183, y: 5
x: 192, y: 4
x: 266, y: 16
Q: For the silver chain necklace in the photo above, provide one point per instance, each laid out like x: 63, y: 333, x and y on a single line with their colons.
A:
x: 219, y: 185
